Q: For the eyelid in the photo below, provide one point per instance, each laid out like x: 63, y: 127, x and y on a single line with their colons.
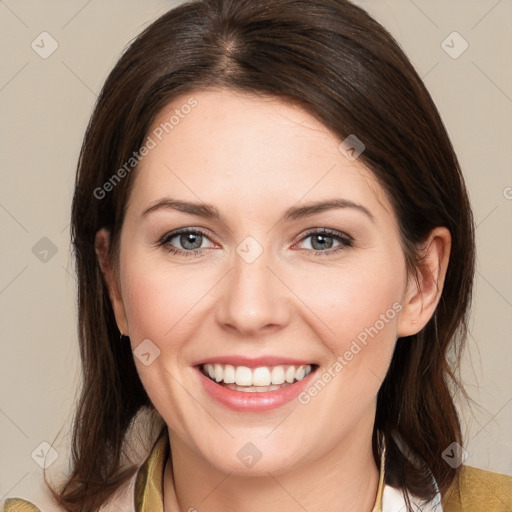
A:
x: 180, y: 231
x: 326, y: 231
x: 345, y: 240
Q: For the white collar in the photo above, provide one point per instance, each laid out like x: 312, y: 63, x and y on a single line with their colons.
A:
x: 393, y: 501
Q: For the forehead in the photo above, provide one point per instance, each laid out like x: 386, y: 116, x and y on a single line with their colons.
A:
x: 255, y: 150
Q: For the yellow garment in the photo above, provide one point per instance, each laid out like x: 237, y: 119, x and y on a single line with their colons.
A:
x: 479, y: 491
x: 18, y: 505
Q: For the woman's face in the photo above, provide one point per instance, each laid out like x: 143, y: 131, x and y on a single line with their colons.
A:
x: 261, y: 283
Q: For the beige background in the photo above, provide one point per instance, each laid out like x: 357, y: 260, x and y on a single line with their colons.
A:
x: 46, y: 104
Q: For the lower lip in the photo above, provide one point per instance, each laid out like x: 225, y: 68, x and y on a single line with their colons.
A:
x: 253, y: 401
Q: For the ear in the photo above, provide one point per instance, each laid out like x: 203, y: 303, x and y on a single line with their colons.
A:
x: 102, y: 243
x: 420, y: 302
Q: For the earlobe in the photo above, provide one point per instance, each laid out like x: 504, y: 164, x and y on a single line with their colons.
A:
x: 421, y: 298
x: 101, y: 246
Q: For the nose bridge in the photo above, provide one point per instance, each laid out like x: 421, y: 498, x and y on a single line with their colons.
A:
x: 254, y: 297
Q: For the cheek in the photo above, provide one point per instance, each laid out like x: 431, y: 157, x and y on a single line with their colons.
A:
x: 159, y: 300
x: 350, y: 298
x: 355, y: 310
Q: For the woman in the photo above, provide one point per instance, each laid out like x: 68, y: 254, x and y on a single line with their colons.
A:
x: 299, y: 360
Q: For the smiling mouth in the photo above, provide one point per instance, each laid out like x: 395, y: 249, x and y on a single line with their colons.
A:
x: 261, y: 379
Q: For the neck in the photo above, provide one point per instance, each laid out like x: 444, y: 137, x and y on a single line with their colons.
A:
x: 343, y: 479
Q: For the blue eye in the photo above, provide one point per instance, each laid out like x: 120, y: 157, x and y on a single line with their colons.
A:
x: 321, y: 238
x: 187, y: 236
x: 191, y: 240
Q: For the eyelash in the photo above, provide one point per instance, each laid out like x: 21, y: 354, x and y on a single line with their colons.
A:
x: 346, y: 241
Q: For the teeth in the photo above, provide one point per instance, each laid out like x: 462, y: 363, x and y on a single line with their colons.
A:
x: 290, y: 374
x: 277, y: 376
x: 218, y: 372
x: 243, y: 375
x: 258, y: 377
x: 229, y: 374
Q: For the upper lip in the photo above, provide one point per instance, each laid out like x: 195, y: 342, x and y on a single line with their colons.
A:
x: 253, y: 362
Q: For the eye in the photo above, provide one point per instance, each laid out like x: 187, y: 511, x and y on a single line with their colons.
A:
x: 190, y: 239
x: 323, y: 241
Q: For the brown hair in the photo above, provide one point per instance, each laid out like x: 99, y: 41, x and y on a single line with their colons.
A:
x: 332, y: 59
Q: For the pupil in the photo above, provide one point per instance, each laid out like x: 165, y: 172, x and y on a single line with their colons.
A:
x: 324, y: 244
x: 185, y: 239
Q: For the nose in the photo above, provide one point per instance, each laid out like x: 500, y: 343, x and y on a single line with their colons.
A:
x: 255, y: 298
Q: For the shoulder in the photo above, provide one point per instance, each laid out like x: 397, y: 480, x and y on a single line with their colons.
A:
x: 18, y: 505
x: 479, y: 490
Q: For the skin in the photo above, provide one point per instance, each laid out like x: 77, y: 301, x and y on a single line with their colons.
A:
x: 252, y: 158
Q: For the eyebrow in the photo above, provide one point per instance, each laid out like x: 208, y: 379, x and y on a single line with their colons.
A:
x: 293, y: 213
